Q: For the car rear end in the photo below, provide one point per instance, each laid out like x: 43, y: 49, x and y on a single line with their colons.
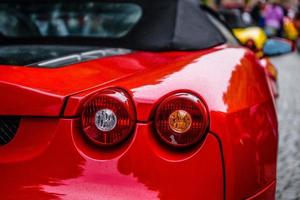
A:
x: 104, y: 151
x: 124, y: 124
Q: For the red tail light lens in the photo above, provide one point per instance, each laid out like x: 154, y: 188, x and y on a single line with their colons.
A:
x: 108, y: 117
x: 181, y: 120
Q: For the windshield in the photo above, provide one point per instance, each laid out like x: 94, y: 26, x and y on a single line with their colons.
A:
x: 104, y: 20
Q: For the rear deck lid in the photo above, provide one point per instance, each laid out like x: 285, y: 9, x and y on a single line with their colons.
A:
x: 41, y: 88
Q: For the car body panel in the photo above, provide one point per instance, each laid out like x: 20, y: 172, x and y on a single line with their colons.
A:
x: 196, y: 72
x: 249, y: 150
x: 17, y: 98
x: 64, y: 165
x: 230, y: 81
x: 51, y: 157
x: 266, y: 193
x: 241, y: 106
x: 46, y: 88
x: 272, y: 75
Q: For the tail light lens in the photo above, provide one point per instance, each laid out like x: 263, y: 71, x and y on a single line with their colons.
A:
x: 108, y: 117
x: 181, y: 120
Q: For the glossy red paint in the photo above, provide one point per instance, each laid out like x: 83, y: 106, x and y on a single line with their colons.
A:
x: 16, y: 98
x: 231, y: 82
x: 241, y: 107
x: 272, y: 74
x: 249, y: 142
x: 266, y: 193
x: 45, y: 89
x: 70, y: 168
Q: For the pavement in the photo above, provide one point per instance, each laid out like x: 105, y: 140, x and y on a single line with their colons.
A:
x: 288, y: 106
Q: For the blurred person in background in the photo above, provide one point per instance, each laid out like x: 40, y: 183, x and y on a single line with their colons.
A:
x: 273, y: 15
x: 297, y: 25
x: 297, y: 20
x: 290, y: 31
x: 257, y: 13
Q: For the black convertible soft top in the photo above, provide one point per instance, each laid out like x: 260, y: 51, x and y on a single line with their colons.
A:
x: 164, y: 25
x: 174, y: 24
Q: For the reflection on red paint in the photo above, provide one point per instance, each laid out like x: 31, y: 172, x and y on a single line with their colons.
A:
x: 49, y: 158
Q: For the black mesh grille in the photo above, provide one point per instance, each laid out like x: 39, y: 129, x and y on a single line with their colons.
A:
x: 8, y: 128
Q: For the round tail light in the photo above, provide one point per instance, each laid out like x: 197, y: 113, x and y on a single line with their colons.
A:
x: 181, y: 120
x: 108, y: 117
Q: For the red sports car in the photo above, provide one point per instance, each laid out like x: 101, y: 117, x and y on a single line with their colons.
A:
x: 131, y: 99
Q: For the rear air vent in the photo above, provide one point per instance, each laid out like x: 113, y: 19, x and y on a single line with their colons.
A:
x: 81, y: 57
x: 8, y: 129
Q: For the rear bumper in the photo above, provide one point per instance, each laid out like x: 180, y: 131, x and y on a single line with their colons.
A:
x: 49, y: 158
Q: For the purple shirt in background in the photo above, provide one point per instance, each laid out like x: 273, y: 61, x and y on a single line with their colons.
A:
x: 273, y: 16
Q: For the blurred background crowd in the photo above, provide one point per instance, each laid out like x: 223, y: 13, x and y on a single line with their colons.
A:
x: 280, y: 18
